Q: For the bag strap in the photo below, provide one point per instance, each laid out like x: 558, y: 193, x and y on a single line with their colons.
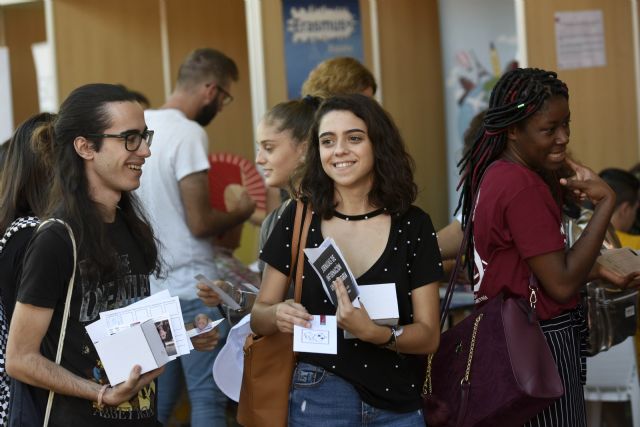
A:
x: 17, y: 225
x: 65, y: 316
x: 298, y: 243
x: 446, y: 302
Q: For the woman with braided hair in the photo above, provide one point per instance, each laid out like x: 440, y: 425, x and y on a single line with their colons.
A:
x: 511, y: 174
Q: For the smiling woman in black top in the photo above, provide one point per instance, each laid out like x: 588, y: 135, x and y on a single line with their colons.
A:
x: 358, y: 180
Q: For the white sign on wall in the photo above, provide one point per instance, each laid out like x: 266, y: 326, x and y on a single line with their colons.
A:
x: 45, y: 75
x: 6, y: 104
x: 580, y: 39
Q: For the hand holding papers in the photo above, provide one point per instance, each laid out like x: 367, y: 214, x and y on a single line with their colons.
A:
x: 622, y: 261
x: 328, y: 262
x: 203, y: 333
x: 381, y: 305
x: 225, y: 297
x: 151, y: 330
x: 208, y: 327
x: 238, y: 297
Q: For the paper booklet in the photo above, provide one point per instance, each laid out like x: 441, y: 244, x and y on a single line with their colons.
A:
x: 620, y: 260
x: 148, y: 333
x: 328, y: 262
x: 162, y: 308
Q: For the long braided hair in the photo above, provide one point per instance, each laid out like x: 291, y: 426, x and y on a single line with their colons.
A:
x: 518, y: 95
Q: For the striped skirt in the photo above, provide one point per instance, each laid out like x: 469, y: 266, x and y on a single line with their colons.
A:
x: 567, y: 337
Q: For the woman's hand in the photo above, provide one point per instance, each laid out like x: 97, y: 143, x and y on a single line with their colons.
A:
x: 586, y: 184
x: 352, y: 319
x: 631, y: 280
x: 289, y: 313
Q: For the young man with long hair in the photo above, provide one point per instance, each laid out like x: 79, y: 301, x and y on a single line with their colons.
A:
x: 99, y: 143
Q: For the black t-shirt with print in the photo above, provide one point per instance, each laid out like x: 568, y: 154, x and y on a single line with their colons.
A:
x: 45, y: 279
x: 411, y: 259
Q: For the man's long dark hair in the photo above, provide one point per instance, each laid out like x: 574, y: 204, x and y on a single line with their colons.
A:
x: 393, y: 186
x: 518, y: 95
x: 86, y: 112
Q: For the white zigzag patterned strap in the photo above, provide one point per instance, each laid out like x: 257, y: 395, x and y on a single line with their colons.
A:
x: 17, y: 225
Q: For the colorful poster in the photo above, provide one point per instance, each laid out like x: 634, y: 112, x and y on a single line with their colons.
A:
x: 479, y: 43
x: 315, y: 30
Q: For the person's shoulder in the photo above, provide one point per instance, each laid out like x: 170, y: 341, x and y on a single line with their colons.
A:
x: 21, y: 227
x: 52, y: 234
x: 504, y: 170
x: 275, y: 214
x: 415, y: 212
x: 511, y: 176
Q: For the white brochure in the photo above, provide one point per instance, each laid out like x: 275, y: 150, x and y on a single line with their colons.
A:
x: 157, y: 308
x: 321, y: 337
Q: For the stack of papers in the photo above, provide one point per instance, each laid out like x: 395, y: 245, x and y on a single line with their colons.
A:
x: 622, y: 261
x: 139, y: 328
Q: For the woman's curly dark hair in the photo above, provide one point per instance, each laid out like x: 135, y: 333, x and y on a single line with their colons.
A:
x: 393, y: 186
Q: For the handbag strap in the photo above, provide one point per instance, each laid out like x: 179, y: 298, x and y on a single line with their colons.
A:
x: 65, y: 316
x: 298, y: 243
x: 446, y: 302
x: 444, y: 309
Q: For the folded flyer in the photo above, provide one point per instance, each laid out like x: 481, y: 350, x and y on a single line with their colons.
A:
x: 328, y: 262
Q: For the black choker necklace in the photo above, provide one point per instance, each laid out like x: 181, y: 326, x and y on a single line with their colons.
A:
x: 359, y: 217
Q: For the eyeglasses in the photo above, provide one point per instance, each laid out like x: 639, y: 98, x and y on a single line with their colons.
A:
x: 132, y: 139
x: 228, y: 98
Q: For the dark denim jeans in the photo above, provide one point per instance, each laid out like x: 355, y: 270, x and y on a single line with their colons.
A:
x: 319, y: 398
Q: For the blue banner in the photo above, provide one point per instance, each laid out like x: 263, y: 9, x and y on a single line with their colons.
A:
x: 315, y: 30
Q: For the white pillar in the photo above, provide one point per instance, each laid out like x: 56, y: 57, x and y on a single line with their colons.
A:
x: 253, y: 12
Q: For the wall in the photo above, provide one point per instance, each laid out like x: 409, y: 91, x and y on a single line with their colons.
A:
x: 119, y: 42
x: 109, y: 42
x: 23, y: 25
x: 219, y: 24
x: 604, y: 110
x: 413, y: 93
x: 411, y: 83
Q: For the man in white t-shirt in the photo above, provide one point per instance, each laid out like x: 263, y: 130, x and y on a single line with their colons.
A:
x: 175, y: 192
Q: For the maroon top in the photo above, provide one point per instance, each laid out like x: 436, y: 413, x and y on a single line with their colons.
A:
x: 515, y: 218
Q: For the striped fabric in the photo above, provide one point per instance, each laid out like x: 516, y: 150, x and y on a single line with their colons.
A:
x: 567, y: 338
